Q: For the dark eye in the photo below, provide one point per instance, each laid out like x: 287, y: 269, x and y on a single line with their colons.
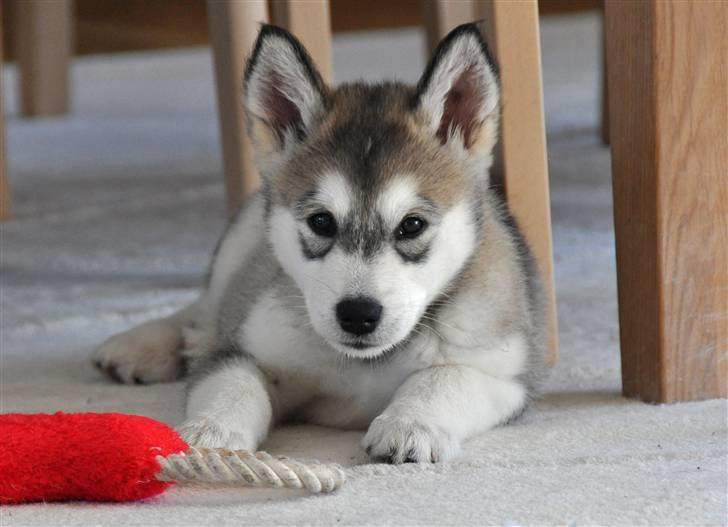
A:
x: 411, y: 227
x: 322, y: 224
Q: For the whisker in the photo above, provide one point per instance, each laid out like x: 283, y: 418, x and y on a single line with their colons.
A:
x: 433, y: 330
x: 469, y: 335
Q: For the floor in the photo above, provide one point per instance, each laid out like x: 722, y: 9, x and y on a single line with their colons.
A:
x: 118, y: 206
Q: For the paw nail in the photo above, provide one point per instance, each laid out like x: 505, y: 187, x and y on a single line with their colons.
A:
x: 112, y: 372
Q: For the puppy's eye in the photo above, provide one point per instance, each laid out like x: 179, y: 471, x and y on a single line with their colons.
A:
x: 322, y: 224
x: 411, y: 227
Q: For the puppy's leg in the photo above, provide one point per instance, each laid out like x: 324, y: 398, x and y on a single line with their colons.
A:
x: 436, y: 409
x: 229, y: 408
x: 150, y: 352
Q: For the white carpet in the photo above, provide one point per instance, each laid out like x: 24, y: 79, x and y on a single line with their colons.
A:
x: 118, y: 206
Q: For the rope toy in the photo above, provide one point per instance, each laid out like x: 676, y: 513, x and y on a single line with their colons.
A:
x: 118, y: 457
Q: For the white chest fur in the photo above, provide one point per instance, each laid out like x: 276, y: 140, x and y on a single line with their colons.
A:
x: 310, y: 377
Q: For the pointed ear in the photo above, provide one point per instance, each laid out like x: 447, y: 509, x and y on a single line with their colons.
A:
x: 458, y: 94
x: 283, y: 91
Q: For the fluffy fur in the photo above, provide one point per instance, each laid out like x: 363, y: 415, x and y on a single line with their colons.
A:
x: 456, y: 345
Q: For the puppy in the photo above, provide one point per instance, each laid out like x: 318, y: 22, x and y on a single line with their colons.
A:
x: 375, y: 281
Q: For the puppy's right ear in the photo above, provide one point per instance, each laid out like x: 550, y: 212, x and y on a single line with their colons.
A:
x: 283, y: 92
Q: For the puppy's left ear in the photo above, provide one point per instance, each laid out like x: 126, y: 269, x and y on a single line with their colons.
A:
x: 458, y: 94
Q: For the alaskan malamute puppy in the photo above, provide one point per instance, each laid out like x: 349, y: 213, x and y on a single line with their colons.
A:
x: 375, y: 281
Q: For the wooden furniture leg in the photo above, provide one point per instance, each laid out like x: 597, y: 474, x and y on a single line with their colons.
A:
x: 513, y: 35
x: 310, y: 21
x: 4, y: 187
x: 234, y: 25
x: 43, y: 44
x: 604, y: 95
x: 441, y: 16
x: 668, y: 90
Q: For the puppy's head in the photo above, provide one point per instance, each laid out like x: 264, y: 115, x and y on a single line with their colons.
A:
x: 374, y: 192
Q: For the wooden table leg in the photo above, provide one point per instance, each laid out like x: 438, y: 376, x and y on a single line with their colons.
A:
x: 513, y: 34
x: 43, y: 44
x: 234, y: 26
x: 310, y: 21
x: 604, y: 95
x: 4, y: 187
x: 668, y: 90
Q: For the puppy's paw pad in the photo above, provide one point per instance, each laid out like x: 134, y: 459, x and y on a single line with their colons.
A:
x: 208, y: 433
x: 396, y: 439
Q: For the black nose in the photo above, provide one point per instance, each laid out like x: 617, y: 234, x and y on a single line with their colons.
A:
x: 359, y: 315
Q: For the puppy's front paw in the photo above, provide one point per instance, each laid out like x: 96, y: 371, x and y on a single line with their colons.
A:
x: 209, y: 433
x: 396, y: 439
x: 145, y: 354
x: 196, y: 342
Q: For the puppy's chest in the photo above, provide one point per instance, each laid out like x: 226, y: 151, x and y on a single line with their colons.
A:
x: 279, y: 335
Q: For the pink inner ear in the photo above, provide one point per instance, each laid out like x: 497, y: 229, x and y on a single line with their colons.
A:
x: 462, y: 106
x: 282, y: 112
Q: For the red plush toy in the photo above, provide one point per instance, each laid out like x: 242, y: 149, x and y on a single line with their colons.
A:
x: 117, y: 457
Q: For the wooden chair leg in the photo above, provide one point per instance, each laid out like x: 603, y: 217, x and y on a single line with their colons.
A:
x: 440, y: 16
x: 4, y: 187
x: 668, y: 115
x: 43, y: 44
x: 605, y: 87
x: 234, y: 26
x: 605, y: 102
x: 310, y: 21
x: 513, y: 34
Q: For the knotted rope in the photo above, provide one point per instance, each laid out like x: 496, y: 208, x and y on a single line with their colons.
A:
x: 244, y: 468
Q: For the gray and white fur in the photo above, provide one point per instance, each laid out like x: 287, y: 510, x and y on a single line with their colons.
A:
x: 376, y: 281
